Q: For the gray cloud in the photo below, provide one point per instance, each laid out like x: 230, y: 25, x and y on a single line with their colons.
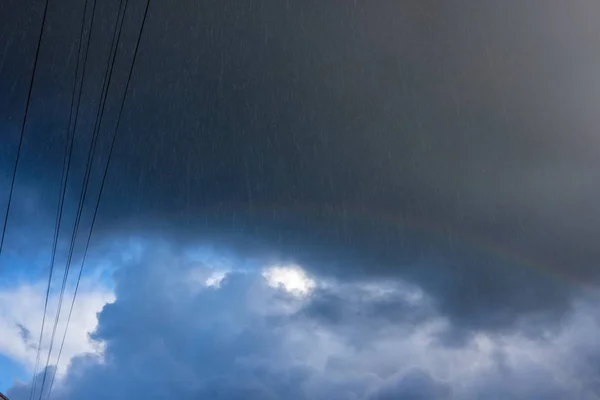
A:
x: 24, y: 333
x: 167, y: 335
x: 23, y: 390
x: 414, y: 385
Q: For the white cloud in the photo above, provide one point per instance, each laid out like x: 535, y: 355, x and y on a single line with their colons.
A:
x: 21, y: 312
x: 291, y: 278
x: 215, y: 278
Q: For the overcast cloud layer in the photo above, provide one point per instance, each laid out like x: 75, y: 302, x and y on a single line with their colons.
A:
x: 432, y: 166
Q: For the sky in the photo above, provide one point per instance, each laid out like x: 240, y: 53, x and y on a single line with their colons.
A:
x: 308, y: 200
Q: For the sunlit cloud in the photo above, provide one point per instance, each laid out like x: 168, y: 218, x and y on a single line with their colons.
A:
x: 291, y: 278
x: 215, y: 279
x: 21, y: 312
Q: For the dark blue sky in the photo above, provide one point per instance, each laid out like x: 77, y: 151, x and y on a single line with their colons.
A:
x: 429, y: 168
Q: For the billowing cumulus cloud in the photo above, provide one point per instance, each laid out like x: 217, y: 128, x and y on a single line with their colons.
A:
x: 21, y: 311
x: 167, y: 335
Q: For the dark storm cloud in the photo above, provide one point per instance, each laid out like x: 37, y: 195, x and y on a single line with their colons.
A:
x: 361, y: 314
x: 274, y: 126
x: 357, y: 303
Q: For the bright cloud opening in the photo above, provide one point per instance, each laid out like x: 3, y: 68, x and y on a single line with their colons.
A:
x: 291, y: 278
x: 215, y: 279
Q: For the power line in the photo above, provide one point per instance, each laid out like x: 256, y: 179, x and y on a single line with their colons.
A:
x: 26, y: 114
x: 102, y: 185
x: 106, y: 82
x: 72, y: 124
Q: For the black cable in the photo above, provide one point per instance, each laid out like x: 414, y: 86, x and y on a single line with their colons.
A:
x: 102, y: 185
x: 26, y: 114
x: 64, y: 179
x: 106, y: 82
